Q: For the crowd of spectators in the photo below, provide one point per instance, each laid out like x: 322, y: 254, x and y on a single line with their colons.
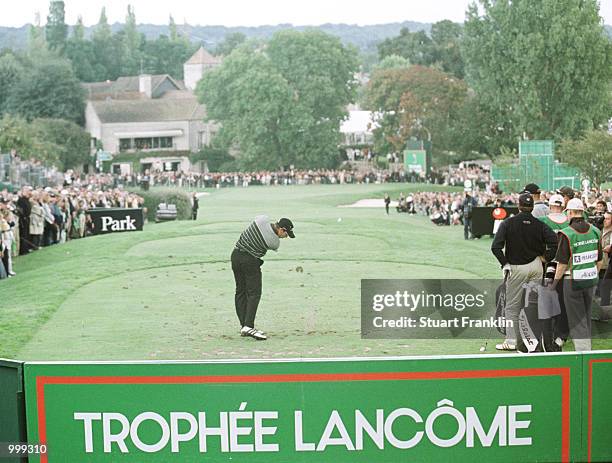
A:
x: 446, y: 208
x: 38, y: 217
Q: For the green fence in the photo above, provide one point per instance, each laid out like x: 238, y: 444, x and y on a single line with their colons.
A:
x: 537, y: 165
x: 465, y: 408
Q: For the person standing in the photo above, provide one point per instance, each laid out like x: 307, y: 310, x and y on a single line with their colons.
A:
x: 522, y: 243
x: 540, y: 209
x: 258, y: 238
x: 578, y: 257
x: 387, y: 202
x: 606, y: 273
x: 468, y: 205
x: 195, y: 205
x: 558, y: 330
x: 24, y: 209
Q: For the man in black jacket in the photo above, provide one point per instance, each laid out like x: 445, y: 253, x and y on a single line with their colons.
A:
x: 521, y: 245
x: 24, y: 209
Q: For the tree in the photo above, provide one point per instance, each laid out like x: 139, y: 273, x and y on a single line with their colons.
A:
x: 131, y: 45
x: 446, y: 51
x: 106, y: 49
x: 416, y: 101
x: 393, y: 62
x: 11, y: 72
x: 25, y: 137
x: 71, y: 141
x: 230, y: 42
x: 592, y: 154
x: 80, y: 52
x: 283, y: 103
x: 541, y: 67
x: 416, y: 47
x: 37, y: 45
x: 172, y: 29
x: 56, y: 30
x: 166, y: 56
x: 49, y: 90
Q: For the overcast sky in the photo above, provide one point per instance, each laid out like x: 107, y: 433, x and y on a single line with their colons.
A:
x: 253, y: 12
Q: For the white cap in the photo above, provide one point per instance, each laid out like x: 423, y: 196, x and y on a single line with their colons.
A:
x: 555, y: 200
x: 575, y: 204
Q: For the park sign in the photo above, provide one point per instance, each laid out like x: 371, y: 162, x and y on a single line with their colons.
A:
x: 113, y: 220
x: 493, y: 408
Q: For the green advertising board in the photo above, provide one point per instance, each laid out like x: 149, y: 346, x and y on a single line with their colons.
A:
x: 415, y: 161
x: 493, y: 408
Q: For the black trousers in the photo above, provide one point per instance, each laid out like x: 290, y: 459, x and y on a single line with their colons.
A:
x: 247, y: 274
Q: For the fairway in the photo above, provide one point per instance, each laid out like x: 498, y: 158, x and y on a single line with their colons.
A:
x: 167, y: 292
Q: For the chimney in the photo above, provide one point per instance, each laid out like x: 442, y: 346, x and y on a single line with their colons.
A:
x: 144, y: 84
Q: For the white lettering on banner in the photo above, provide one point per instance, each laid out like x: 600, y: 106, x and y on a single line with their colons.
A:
x: 585, y: 257
x: 585, y: 274
x: 362, y: 424
x: 163, y: 440
x: 244, y: 431
x: 176, y: 437
x: 87, y: 420
x: 118, y: 225
x: 109, y: 437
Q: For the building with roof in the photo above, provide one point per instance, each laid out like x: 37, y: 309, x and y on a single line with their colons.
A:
x: 150, y: 112
x: 358, y: 133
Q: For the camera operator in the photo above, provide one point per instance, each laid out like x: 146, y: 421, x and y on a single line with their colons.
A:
x: 597, y: 217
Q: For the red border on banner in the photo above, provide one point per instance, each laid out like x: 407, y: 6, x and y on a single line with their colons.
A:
x: 564, y: 373
x: 591, y: 362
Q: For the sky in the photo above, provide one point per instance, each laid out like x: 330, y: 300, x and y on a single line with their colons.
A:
x: 253, y: 12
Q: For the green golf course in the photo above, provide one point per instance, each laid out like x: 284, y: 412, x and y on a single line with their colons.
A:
x: 167, y: 292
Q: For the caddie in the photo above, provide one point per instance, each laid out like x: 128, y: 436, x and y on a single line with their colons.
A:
x: 579, y: 257
x: 556, y: 330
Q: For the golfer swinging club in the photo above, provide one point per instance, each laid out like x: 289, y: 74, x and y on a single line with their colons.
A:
x: 254, y: 242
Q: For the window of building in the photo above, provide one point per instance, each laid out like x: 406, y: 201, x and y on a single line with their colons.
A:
x: 145, y: 143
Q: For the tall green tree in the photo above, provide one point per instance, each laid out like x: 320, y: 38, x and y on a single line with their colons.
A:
x: 106, y: 49
x: 446, y: 51
x: 393, y: 62
x: 48, y: 90
x: 80, y: 52
x: 132, y: 41
x: 416, y: 47
x: 283, y: 103
x: 11, y: 72
x: 591, y: 153
x: 541, y: 67
x: 417, y: 101
x: 37, y: 45
x: 230, y: 42
x: 71, y: 141
x: 172, y: 29
x: 56, y: 30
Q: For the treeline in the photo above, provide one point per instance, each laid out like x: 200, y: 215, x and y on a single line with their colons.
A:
x: 533, y: 69
x: 109, y: 55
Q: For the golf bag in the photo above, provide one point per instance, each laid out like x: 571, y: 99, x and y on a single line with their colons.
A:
x: 500, y: 306
x: 535, y: 319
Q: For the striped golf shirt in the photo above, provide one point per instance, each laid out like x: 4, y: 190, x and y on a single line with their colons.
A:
x: 258, y: 238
